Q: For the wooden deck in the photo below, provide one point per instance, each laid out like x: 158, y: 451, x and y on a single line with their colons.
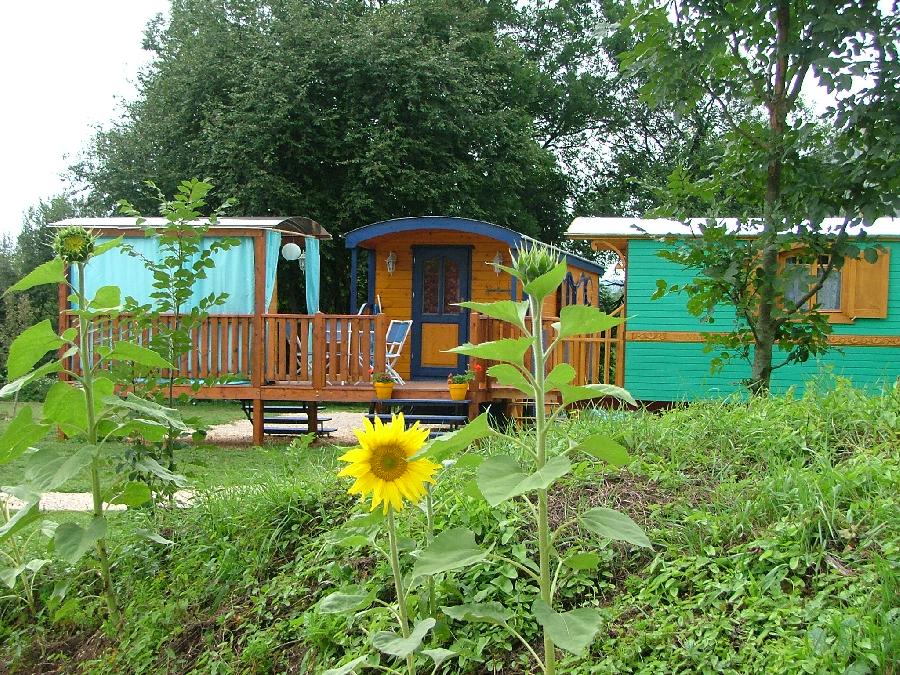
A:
x: 331, y: 358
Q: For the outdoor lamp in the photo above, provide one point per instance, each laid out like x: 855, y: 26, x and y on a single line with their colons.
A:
x: 496, y: 262
x: 391, y: 262
x: 292, y: 251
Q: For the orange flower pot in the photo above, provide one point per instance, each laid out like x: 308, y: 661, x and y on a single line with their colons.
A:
x: 458, y: 392
x: 384, y: 389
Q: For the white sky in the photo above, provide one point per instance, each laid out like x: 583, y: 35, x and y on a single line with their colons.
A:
x: 64, y: 67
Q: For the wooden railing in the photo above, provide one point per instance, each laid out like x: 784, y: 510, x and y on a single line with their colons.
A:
x: 324, y: 350
x: 597, y: 358
x: 221, y: 347
x: 320, y: 351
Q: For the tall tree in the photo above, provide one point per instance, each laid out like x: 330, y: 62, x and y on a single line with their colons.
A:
x: 32, y: 247
x: 782, y: 169
x: 347, y: 112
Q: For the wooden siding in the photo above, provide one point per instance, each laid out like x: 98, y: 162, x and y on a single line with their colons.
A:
x: 668, y: 371
x: 396, y: 290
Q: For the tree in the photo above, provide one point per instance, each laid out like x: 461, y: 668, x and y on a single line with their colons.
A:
x: 782, y: 169
x: 347, y: 112
x: 172, y: 314
x: 31, y: 248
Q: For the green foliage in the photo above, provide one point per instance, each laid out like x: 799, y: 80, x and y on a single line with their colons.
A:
x: 84, y: 406
x: 775, y: 550
x: 31, y: 250
x: 782, y: 169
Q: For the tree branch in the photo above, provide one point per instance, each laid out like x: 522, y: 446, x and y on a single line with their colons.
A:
x: 820, y: 282
x: 732, y: 122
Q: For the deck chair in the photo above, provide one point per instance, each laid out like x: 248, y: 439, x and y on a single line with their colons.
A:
x: 397, y: 333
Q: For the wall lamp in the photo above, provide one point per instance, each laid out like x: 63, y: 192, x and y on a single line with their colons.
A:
x: 391, y: 262
x: 497, y: 262
x: 292, y: 252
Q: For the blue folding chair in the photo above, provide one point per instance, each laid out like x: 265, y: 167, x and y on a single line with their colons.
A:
x: 397, y: 333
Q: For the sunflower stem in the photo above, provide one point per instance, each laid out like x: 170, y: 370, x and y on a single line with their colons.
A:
x: 429, y: 537
x: 398, y: 584
x: 543, y: 520
x: 86, y: 357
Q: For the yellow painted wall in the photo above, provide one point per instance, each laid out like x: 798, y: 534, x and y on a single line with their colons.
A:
x: 396, y: 290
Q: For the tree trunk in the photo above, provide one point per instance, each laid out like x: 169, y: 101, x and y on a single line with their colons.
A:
x: 766, y: 325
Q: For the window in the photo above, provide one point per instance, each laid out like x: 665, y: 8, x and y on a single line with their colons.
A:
x: 856, y: 290
x: 829, y: 296
x: 801, y: 277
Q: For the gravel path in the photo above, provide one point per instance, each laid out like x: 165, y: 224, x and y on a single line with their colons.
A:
x: 235, y: 433
x: 84, y: 501
x: 241, y: 432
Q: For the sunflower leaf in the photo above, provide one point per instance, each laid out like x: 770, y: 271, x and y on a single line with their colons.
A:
x: 393, y: 644
x: 450, y: 550
x: 443, y: 446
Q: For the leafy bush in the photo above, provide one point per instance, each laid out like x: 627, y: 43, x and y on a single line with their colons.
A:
x: 776, y: 549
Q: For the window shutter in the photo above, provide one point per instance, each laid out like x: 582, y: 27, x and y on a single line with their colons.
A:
x: 870, y: 287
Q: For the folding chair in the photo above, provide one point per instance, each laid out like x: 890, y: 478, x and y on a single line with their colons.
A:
x: 397, y: 333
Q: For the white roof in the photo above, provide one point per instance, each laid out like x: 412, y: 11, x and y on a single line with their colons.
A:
x: 600, y: 228
x: 126, y: 223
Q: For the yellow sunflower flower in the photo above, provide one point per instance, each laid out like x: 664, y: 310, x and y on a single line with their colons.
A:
x: 382, y: 465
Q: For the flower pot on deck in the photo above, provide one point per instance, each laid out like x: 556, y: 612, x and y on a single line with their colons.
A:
x: 384, y: 389
x: 458, y: 392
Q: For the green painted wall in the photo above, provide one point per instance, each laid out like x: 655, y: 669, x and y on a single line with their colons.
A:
x: 680, y: 371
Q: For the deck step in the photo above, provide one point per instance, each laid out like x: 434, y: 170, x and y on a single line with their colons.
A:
x: 295, y: 431
x: 424, y: 419
x: 301, y: 419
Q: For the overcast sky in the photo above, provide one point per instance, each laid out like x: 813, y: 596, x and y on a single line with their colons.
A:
x: 65, y: 66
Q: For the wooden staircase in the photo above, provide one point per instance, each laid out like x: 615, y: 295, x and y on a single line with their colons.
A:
x: 286, y: 418
x: 439, y: 416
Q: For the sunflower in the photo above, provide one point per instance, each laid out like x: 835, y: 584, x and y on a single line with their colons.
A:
x: 74, y: 244
x: 382, y: 465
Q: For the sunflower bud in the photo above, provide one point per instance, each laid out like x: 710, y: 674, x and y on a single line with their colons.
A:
x: 74, y: 244
x: 531, y: 262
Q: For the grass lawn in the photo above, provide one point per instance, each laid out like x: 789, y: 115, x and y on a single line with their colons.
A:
x: 775, y: 550
x: 205, y: 465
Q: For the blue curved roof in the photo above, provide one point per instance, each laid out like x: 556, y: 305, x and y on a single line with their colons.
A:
x: 513, y: 239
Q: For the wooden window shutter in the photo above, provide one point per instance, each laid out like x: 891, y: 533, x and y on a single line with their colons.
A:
x: 869, y: 289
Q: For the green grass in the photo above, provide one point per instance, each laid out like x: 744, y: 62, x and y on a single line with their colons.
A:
x: 205, y: 465
x: 776, y: 550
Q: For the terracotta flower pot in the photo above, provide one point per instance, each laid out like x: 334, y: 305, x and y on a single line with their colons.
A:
x: 384, y: 389
x: 458, y: 392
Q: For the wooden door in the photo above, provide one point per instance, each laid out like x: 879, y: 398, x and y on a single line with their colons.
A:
x: 442, y: 277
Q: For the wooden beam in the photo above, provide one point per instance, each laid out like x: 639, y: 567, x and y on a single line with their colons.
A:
x: 258, y: 421
x: 696, y: 336
x: 259, y: 308
x: 354, y: 255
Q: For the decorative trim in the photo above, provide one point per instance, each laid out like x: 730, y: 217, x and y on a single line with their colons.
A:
x: 864, y: 340
x: 694, y: 336
x: 426, y: 224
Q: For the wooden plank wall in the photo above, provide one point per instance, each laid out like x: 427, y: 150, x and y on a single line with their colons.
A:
x: 396, y: 290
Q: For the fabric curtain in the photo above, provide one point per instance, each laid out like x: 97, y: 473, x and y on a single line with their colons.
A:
x: 312, y: 275
x: 273, y: 250
x: 230, y: 274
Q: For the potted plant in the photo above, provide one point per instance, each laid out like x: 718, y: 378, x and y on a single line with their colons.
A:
x: 459, y: 384
x: 384, y: 385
